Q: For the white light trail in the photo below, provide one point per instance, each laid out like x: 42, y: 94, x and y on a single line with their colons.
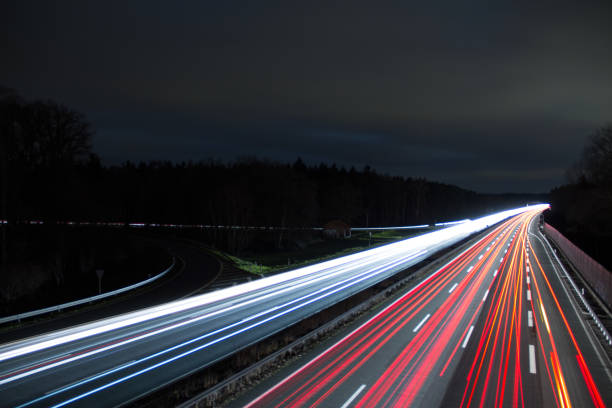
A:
x: 429, y: 242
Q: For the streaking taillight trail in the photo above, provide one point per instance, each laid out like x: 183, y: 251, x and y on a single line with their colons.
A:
x: 477, y: 332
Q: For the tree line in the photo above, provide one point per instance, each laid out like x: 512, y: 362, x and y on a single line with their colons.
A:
x: 582, y: 208
x: 49, y: 172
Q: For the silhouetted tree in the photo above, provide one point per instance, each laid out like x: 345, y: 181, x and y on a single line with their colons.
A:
x: 582, y: 209
x: 595, y: 166
x: 54, y: 135
x: 10, y: 105
x: 42, y: 144
x: 50, y: 172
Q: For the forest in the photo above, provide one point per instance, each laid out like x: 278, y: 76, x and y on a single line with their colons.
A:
x: 50, y: 173
x: 582, y: 208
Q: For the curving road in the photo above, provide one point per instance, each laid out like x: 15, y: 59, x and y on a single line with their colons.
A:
x: 112, y: 361
x: 494, y: 327
x: 196, y: 268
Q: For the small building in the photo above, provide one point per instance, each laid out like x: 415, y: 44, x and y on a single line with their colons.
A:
x: 337, y: 229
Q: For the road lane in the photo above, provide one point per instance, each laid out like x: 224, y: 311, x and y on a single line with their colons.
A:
x: 529, y: 354
x: 487, y: 329
x: 119, y: 359
x: 407, y: 347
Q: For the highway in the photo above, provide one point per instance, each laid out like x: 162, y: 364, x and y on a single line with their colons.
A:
x: 116, y: 360
x: 493, y: 327
x: 196, y: 269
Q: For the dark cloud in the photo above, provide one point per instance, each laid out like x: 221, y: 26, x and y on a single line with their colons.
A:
x: 493, y: 98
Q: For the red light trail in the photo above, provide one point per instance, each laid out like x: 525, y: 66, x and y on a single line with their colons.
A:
x: 457, y: 338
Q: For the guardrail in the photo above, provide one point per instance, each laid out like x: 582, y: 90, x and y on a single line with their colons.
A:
x: 548, y: 229
x: 594, y: 273
x: 67, y: 305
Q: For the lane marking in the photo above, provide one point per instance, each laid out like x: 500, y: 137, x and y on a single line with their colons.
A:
x: 364, y: 324
x: 480, y: 257
x: 528, y: 282
x: 485, y: 295
x: 470, y: 268
x: 416, y: 329
x: 528, y: 295
x: 549, y: 250
x: 495, y: 273
x: 501, y: 259
x: 529, y: 319
x: 174, y: 358
x: 544, y: 316
x: 426, y: 318
x: 532, y: 362
x: 452, y: 288
x: 355, y: 394
x: 467, y: 338
x: 527, y: 269
x: 487, y: 249
x: 505, y: 251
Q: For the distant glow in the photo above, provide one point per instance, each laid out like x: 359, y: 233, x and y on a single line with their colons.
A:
x: 266, y: 287
x: 445, y: 224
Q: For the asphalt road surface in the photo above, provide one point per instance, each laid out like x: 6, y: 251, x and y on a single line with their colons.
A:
x: 494, y: 327
x: 112, y: 361
x: 195, y: 270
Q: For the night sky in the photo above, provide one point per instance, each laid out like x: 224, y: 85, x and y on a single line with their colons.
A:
x: 491, y: 98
